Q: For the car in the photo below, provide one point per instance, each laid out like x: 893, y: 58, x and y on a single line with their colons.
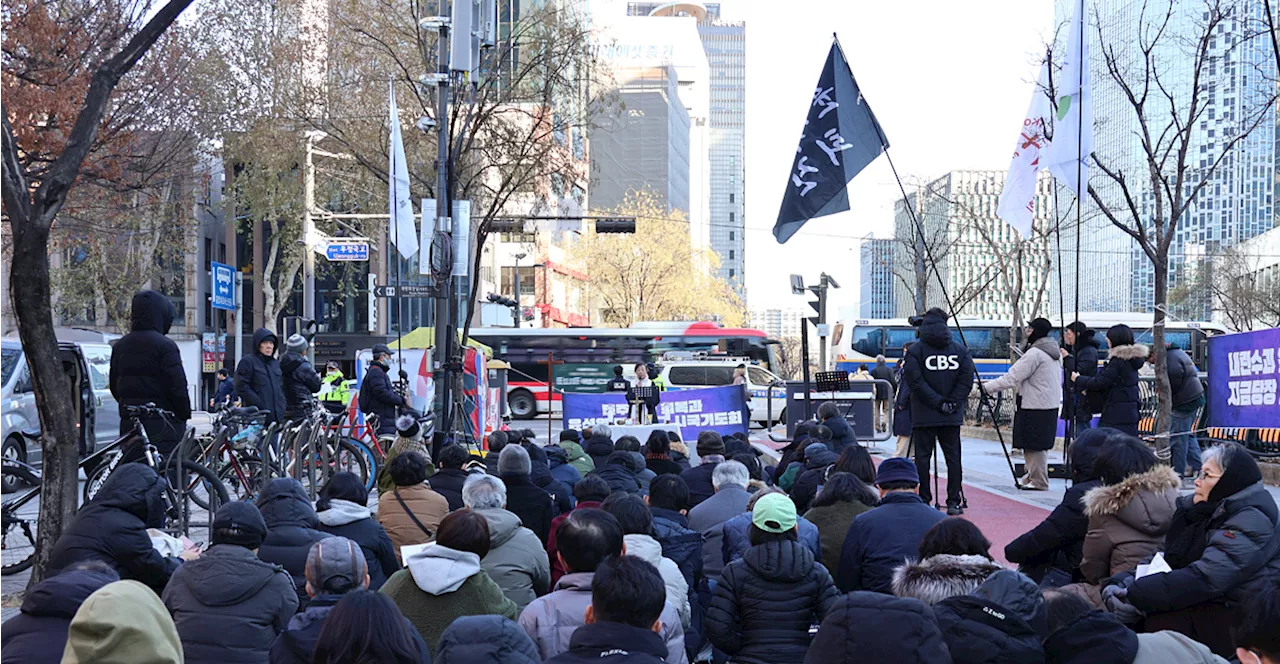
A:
x: 718, y: 372
x: 20, y: 422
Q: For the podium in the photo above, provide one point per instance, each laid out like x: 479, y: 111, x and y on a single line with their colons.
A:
x: 644, y: 400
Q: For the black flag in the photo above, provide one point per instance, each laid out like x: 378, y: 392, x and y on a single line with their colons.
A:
x: 840, y: 137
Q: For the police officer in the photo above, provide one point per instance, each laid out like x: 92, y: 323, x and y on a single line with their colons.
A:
x: 618, y: 384
x: 939, y: 373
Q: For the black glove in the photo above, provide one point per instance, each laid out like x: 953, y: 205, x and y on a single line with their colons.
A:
x: 947, y: 407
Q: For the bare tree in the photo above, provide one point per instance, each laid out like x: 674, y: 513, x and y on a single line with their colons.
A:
x: 1235, y: 287
x: 1165, y: 105
x: 34, y: 193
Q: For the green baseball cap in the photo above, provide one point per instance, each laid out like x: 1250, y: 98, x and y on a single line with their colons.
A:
x: 774, y: 513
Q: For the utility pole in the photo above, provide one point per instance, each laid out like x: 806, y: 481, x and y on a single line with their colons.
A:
x: 308, y: 230
x: 442, y: 239
x: 819, y: 305
x: 518, y: 313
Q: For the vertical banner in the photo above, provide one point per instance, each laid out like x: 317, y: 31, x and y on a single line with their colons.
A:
x: 717, y: 409
x: 1242, y: 383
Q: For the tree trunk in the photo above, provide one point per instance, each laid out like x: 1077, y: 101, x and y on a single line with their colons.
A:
x: 1164, y: 392
x: 29, y: 277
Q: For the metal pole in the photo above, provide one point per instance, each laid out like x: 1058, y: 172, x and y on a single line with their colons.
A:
x: 551, y: 393
x: 308, y: 253
x: 515, y: 315
x: 444, y: 334
x: 239, y: 317
x: 804, y: 365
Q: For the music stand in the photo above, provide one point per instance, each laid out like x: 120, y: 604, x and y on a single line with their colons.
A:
x: 643, y: 396
x: 832, y: 381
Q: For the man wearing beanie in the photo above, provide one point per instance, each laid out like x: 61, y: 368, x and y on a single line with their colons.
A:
x: 229, y: 606
x: 710, y: 452
x: 301, y: 382
x: 879, y: 540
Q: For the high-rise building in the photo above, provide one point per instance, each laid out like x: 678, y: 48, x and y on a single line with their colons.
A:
x: 725, y: 44
x: 974, y: 249
x: 777, y: 323
x: 1237, y: 203
x: 876, y: 265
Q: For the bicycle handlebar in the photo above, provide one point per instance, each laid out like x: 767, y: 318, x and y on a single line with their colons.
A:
x: 147, y: 410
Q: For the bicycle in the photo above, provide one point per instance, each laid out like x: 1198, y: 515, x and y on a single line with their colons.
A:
x: 317, y: 440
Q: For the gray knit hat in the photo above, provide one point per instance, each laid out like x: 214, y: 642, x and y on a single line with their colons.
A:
x: 296, y: 343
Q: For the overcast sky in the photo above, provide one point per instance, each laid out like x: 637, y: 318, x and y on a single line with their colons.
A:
x: 949, y: 81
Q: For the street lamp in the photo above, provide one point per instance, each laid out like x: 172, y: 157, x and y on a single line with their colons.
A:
x: 516, y: 295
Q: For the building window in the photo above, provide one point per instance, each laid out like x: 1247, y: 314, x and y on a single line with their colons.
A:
x: 732, y: 273
x: 730, y: 254
x: 731, y: 197
x: 730, y: 217
x: 731, y: 236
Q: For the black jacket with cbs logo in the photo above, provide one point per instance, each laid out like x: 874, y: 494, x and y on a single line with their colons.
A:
x: 938, y: 370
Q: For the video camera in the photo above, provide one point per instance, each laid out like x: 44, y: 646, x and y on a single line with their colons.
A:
x: 915, y: 321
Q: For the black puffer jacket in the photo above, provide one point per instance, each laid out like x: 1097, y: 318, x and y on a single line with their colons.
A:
x: 599, y: 448
x: 535, y: 507
x: 1018, y: 593
x: 486, y: 640
x: 1241, y: 560
x: 259, y: 381
x: 938, y: 370
x: 38, y: 635
x: 1119, y: 381
x: 683, y: 546
x: 292, y: 527
x: 979, y: 631
x: 1184, y: 378
x: 1092, y: 638
x: 229, y: 606
x: 540, y: 474
x: 448, y: 483
x: 378, y: 396
x: 841, y: 433
x: 817, y: 463
x: 873, y: 627
x: 1059, y: 539
x: 146, y: 366
x: 762, y: 607
x: 1084, y: 359
x: 113, y: 528
x: 301, y: 382
x: 619, y: 472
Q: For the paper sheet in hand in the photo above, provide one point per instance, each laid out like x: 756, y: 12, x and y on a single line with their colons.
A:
x: 1157, y: 566
x: 411, y: 549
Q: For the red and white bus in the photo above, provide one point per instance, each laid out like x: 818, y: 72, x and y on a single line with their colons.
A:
x: 585, y: 357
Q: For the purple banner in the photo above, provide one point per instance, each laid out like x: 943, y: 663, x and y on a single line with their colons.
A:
x: 1242, y: 380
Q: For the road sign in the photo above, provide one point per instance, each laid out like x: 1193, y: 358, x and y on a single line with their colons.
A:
x: 224, y: 286
x: 347, y: 251
x: 406, y: 290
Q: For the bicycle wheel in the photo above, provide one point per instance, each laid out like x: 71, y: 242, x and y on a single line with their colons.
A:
x: 205, y: 491
x: 242, y: 479
x: 371, y: 461
x: 349, y: 458
x: 18, y: 539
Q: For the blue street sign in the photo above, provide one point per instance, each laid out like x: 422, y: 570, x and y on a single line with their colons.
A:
x: 224, y: 286
x: 347, y: 251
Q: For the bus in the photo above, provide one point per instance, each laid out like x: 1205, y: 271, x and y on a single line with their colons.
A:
x: 583, y: 358
x: 988, y: 340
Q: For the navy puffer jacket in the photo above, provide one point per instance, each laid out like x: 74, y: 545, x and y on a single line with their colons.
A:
x: 938, y: 370
x: 259, y: 379
x: 1118, y: 380
x: 486, y: 640
x: 762, y: 607
x: 874, y: 627
x: 1084, y: 359
x: 292, y: 527
x: 38, y: 635
x: 379, y: 396
x: 301, y: 382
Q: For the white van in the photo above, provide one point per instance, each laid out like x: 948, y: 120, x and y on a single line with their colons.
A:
x: 691, y: 374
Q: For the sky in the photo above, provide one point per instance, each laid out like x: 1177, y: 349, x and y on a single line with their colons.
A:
x: 949, y: 82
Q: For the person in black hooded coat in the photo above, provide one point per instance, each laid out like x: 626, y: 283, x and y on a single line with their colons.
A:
x: 146, y: 367
x: 378, y: 395
x: 259, y: 379
x: 292, y: 527
x: 1118, y: 380
x: 38, y: 634
x: 600, y: 445
x: 113, y: 528
x: 1057, y: 542
x: 1003, y: 620
x: 619, y: 472
x: 486, y: 640
x: 540, y: 474
x: 300, y: 380
x: 866, y: 626
x: 939, y: 373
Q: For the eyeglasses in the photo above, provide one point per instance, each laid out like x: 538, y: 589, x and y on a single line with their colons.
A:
x: 1202, y: 475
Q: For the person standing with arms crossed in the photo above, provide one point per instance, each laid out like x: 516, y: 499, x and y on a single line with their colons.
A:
x: 940, y: 374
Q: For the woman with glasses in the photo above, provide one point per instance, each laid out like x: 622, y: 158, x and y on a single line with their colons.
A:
x: 1223, y: 547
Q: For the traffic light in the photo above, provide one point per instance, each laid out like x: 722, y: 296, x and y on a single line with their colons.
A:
x: 616, y: 225
x: 507, y: 225
x: 503, y: 300
x: 819, y: 305
x: 299, y: 325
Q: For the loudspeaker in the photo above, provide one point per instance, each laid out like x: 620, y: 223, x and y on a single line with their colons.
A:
x: 1057, y: 471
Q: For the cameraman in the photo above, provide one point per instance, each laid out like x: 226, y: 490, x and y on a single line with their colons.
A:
x: 378, y: 396
x: 939, y: 373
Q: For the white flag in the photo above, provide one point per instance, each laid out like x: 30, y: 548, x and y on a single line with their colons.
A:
x: 404, y: 234
x: 1018, y: 199
x: 1073, y: 119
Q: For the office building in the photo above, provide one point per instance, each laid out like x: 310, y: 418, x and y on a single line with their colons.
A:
x: 777, y: 323
x: 876, y: 267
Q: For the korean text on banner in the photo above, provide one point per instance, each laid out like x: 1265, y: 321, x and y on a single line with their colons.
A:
x: 1242, y: 384
x: 718, y: 409
x: 1018, y: 198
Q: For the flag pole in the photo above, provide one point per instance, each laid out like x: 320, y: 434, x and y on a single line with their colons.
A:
x: 1082, y: 188
x: 396, y: 223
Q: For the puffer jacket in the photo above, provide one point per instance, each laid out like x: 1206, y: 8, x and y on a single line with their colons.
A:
x: 448, y: 483
x: 113, y: 526
x: 938, y: 370
x: 38, y: 634
x: 1127, y: 522
x: 649, y: 550
x: 122, y: 623
x: 841, y: 433
x: 516, y: 559
x: 817, y: 465
x: 1037, y: 375
x: 292, y: 527
x: 228, y: 591
x: 535, y: 507
x: 1241, y: 560
x: 146, y: 366
x: 599, y: 448
x: 873, y: 627
x: 1184, y: 378
x: 356, y: 523
x: 379, y: 396
x: 980, y: 631
x: 552, y: 619
x: 941, y: 576
x: 832, y: 522
x: 301, y: 382
x: 563, y: 471
x: 486, y: 640
x: 578, y: 458
x: 1018, y: 593
x: 259, y: 379
x: 1119, y: 381
x: 619, y: 473
x: 762, y: 607
x: 429, y: 507
x: 683, y: 546
x: 541, y: 476
x: 1084, y: 359
x: 737, y: 539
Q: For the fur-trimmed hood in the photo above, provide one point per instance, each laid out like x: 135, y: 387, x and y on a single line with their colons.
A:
x: 1130, y: 352
x: 1145, y: 501
x: 938, y: 577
